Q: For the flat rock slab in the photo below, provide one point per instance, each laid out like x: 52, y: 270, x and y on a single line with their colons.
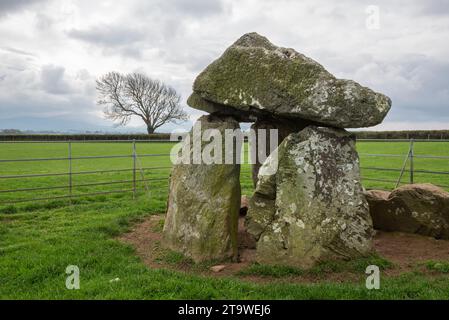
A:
x: 415, y: 208
x: 257, y: 78
x: 312, y: 208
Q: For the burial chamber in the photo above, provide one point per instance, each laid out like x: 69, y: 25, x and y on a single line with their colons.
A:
x: 308, y: 204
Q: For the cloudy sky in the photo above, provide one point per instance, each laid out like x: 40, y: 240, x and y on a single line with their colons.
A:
x: 51, y: 51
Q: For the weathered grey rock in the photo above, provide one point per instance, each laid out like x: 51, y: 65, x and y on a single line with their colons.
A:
x: 196, y: 102
x: 203, y: 204
x: 416, y: 208
x: 254, y: 76
x: 313, y: 207
x: 283, y: 126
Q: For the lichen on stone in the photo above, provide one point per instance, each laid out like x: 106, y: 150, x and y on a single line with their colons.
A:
x: 254, y: 74
x: 203, y: 204
x: 318, y: 212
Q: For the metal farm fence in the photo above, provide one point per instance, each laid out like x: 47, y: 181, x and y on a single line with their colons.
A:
x: 137, y: 169
x: 409, y: 158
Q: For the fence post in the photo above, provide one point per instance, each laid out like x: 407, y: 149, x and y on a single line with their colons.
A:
x: 411, y: 160
x: 134, y: 168
x: 404, y: 166
x: 70, y: 170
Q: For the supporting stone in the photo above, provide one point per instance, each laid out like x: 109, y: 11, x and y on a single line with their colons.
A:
x: 283, y: 126
x: 312, y: 207
x: 204, y: 200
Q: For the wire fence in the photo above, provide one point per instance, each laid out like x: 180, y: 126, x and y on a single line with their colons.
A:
x: 408, y: 160
x: 136, y: 176
x: 134, y: 172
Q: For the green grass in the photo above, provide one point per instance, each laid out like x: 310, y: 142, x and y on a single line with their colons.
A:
x: 357, y: 266
x: 49, y: 150
x: 160, y: 166
x: 39, y: 239
x: 439, y: 266
x: 172, y: 258
x: 276, y: 271
x: 37, y: 246
x: 401, y: 148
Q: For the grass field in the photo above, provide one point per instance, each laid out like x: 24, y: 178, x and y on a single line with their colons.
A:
x: 161, y: 165
x: 39, y: 239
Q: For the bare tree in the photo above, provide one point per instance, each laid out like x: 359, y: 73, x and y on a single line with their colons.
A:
x: 135, y: 94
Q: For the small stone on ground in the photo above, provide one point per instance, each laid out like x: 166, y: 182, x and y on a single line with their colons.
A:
x: 217, y: 268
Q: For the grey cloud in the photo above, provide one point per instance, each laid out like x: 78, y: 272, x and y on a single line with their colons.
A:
x: 198, y: 8
x: 434, y: 7
x: 195, y: 60
x: 419, y: 88
x: 430, y: 99
x: 417, y: 84
x: 150, y: 25
x: 12, y: 62
x: 48, y: 94
x: 44, y: 93
x: 38, y: 105
x: 113, y: 39
x: 195, y: 8
x: 43, y: 22
x: 108, y: 35
x: 52, y: 80
x: 10, y: 6
x: 153, y: 23
x: 417, y: 7
x: 17, y: 51
x: 175, y: 39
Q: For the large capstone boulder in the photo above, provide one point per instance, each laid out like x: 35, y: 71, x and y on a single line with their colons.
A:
x: 256, y: 77
x: 415, y: 208
x: 204, y: 199
x: 311, y: 208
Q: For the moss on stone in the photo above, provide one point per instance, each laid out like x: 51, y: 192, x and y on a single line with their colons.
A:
x: 318, y: 211
x: 203, y: 205
x: 255, y: 74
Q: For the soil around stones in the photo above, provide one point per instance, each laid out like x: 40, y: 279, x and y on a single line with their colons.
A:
x: 405, y: 252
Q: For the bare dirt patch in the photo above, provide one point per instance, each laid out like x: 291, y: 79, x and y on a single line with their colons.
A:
x: 407, y: 252
x: 145, y: 237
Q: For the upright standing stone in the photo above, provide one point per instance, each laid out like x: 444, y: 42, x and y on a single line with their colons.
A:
x: 283, y: 126
x: 312, y: 208
x: 204, y: 201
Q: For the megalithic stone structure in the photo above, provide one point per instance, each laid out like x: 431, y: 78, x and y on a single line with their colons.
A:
x: 308, y: 205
